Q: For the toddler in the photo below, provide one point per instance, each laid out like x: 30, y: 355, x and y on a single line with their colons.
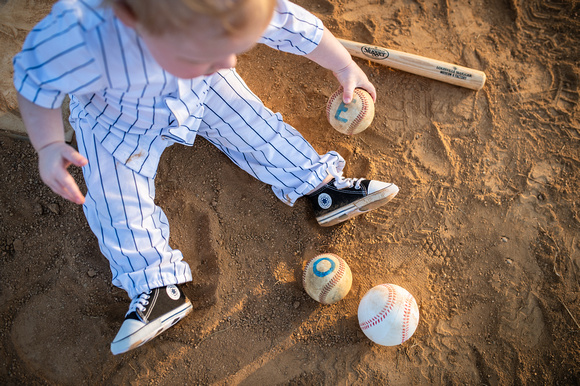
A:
x: 145, y: 74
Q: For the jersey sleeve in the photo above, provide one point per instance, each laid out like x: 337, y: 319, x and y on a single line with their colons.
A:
x: 293, y: 29
x: 55, y: 61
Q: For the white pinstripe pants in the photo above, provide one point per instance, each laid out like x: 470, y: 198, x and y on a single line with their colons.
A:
x: 133, y: 232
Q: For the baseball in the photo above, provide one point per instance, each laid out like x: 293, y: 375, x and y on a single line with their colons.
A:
x: 327, y: 278
x: 354, y: 117
x: 388, y: 314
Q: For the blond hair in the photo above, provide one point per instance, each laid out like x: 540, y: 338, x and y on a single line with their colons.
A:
x: 161, y: 16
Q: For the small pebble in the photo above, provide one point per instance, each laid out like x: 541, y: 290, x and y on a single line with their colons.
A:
x: 54, y: 208
x: 91, y: 273
x: 18, y: 245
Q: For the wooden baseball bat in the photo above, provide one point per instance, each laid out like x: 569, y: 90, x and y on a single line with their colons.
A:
x: 419, y: 65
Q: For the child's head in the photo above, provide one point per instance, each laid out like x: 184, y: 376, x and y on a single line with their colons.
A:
x: 162, y: 16
x: 189, y: 38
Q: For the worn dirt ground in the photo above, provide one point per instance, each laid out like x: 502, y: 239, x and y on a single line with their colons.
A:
x: 484, y: 232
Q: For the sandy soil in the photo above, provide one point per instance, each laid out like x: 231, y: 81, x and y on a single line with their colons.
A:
x: 484, y: 232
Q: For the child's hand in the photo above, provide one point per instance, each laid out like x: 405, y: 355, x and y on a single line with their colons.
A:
x: 53, y: 161
x: 351, y: 77
x: 331, y: 55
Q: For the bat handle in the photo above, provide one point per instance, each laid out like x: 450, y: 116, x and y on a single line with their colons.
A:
x: 418, y: 65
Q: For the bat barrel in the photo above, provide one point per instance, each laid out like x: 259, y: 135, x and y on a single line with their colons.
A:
x: 419, y: 65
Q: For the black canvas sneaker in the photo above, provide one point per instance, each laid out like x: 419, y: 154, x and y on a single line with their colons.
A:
x: 344, y: 198
x: 149, y: 315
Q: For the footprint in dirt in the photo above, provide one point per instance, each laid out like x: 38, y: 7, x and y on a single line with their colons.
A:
x: 63, y: 334
x: 202, y: 255
x: 60, y: 334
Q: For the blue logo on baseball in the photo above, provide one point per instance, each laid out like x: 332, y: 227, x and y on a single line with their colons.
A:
x: 323, y: 273
x: 341, y: 109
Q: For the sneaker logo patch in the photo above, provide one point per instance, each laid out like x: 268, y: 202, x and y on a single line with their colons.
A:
x: 172, y: 292
x: 324, y: 201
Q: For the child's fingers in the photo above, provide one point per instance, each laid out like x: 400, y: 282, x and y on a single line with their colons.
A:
x: 354, y: 78
x: 347, y: 94
x: 63, y: 184
x: 68, y: 189
x: 371, y: 90
x: 53, y: 162
x: 74, y: 194
x: 75, y: 158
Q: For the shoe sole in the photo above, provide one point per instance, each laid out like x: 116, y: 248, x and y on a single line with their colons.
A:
x: 151, y: 330
x: 363, y: 205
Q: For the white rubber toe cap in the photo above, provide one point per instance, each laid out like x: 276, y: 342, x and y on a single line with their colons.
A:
x: 375, y: 186
x: 123, y: 341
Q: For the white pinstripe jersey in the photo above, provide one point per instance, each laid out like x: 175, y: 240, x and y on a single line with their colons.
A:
x: 132, y: 104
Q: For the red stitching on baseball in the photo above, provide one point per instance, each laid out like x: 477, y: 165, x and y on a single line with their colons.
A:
x: 331, y: 101
x: 304, y: 273
x: 406, y: 318
x: 362, y: 112
x: 384, y: 311
x: 335, y: 279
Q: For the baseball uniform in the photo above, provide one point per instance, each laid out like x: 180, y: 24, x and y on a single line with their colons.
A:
x: 126, y: 110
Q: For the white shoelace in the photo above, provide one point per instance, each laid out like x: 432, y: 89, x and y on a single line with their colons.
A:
x: 340, y: 182
x: 139, y: 302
